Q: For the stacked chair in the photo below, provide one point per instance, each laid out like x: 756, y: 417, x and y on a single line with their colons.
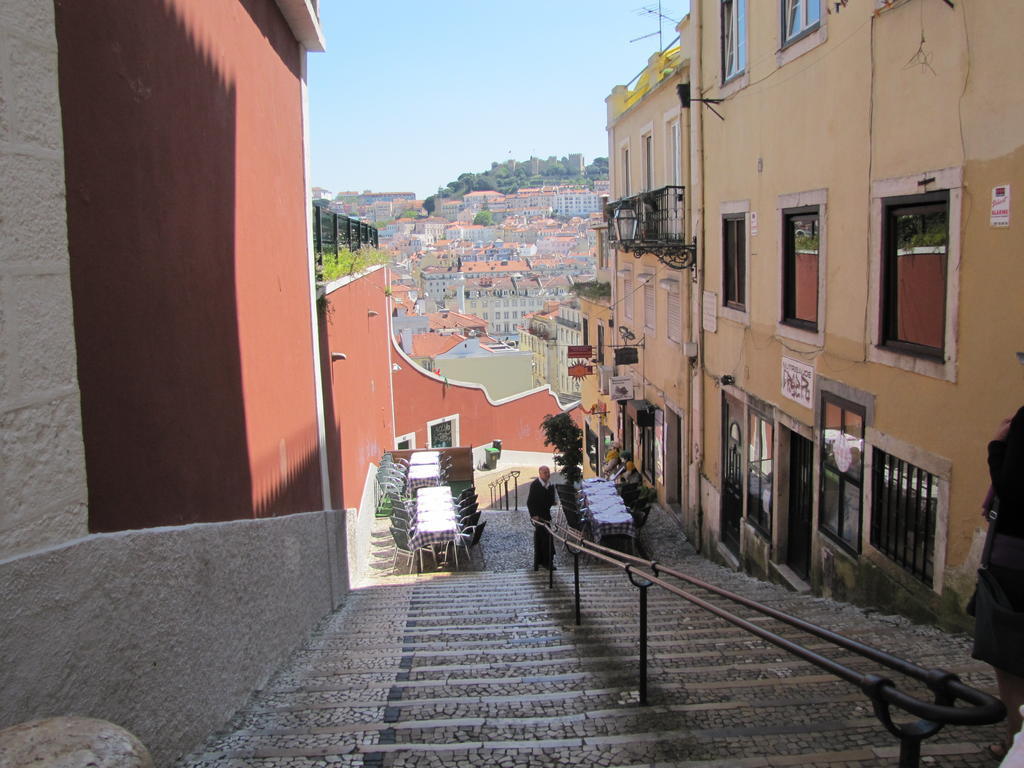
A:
x: 569, y: 502
x: 639, y: 505
x: 470, y: 527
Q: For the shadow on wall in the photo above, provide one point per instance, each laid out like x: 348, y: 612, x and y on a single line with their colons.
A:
x: 149, y: 126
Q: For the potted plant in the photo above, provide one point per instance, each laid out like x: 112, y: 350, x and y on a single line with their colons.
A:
x: 561, y: 432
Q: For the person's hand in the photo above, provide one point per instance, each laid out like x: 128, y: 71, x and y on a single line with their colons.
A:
x: 1003, y: 431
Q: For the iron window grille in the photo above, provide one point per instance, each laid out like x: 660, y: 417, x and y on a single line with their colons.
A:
x: 904, y: 509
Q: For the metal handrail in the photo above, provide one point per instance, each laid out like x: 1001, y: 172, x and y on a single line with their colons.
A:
x: 499, y: 490
x: 983, y: 708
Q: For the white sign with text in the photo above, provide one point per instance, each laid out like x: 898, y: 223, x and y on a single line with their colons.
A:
x: 798, y: 381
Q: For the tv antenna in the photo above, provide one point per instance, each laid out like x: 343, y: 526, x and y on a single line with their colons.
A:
x: 653, y: 10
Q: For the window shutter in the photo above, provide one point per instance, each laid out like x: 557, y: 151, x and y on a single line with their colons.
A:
x: 675, y: 316
x: 649, y: 304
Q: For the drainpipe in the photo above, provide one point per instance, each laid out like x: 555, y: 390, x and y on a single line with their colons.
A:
x: 697, y: 284
x: 314, y: 316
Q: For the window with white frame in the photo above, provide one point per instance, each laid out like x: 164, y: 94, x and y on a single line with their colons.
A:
x: 798, y: 18
x: 734, y: 38
x: 443, y: 433
x: 649, y: 309
x: 675, y: 156
x: 648, y: 148
x: 626, y: 186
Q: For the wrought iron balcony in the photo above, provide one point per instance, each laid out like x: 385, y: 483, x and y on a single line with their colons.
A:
x: 653, y: 222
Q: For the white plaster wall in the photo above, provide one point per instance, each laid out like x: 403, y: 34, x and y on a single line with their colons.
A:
x: 165, y: 631
x: 42, y: 460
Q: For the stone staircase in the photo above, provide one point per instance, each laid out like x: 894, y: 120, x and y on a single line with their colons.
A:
x: 488, y: 669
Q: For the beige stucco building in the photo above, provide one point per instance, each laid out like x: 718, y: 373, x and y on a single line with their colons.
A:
x: 846, y: 343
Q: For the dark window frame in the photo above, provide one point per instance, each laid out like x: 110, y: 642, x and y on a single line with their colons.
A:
x: 789, y: 269
x: 734, y: 261
x: 844, y: 478
x: 889, y: 310
x: 893, y: 533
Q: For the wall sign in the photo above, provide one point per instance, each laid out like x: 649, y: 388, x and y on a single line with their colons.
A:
x: 798, y: 381
x: 621, y: 388
x: 1000, y: 216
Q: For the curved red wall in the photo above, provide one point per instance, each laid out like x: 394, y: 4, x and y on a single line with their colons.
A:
x: 420, y: 398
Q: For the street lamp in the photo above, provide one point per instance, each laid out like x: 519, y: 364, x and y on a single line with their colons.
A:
x: 625, y: 223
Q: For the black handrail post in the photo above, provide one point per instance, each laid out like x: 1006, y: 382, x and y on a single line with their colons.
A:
x: 576, y: 576
x: 643, y: 585
x: 910, y: 751
x: 643, y: 644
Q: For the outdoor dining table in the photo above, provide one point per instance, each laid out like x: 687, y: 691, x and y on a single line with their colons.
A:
x: 606, y: 512
x: 436, y: 520
x: 421, y: 475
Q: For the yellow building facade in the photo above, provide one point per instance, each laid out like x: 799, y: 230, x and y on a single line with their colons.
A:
x: 847, y: 338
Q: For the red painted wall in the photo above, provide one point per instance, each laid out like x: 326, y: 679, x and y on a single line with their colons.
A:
x: 187, y: 231
x: 421, y: 397
x: 358, y: 388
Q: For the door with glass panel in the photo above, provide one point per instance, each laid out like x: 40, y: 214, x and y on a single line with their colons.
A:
x: 732, y: 473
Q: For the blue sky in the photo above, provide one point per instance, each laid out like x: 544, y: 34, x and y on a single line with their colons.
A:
x: 411, y: 94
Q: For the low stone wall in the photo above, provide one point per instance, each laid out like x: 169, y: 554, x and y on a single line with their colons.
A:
x: 165, y: 631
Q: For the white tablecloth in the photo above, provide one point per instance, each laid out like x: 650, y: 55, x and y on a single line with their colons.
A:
x: 436, y: 521
x: 606, y: 513
x: 421, y: 475
x: 424, y: 457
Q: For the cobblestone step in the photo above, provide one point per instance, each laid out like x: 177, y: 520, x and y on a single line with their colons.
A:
x: 490, y: 669
x: 828, y: 743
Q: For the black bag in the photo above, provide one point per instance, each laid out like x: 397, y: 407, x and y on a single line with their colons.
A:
x: 998, y: 628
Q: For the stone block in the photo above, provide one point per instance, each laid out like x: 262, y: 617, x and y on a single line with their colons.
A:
x: 35, y: 20
x: 4, y: 356
x: 40, y: 327
x: 42, y: 457
x: 72, y: 742
x: 43, y: 526
x: 33, y: 113
x: 33, y: 227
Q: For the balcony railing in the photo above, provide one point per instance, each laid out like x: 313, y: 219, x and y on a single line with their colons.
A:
x: 652, y: 222
x: 333, y: 231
